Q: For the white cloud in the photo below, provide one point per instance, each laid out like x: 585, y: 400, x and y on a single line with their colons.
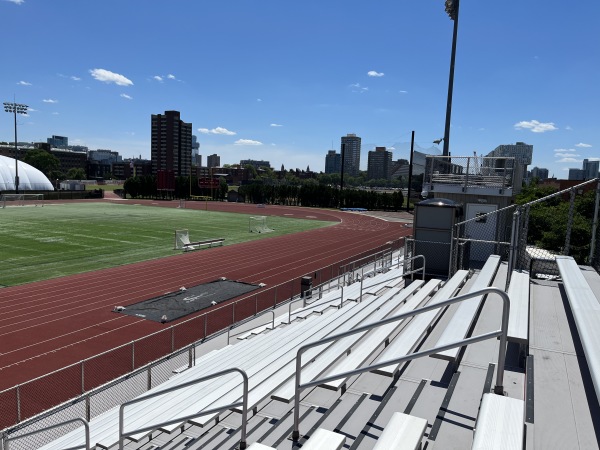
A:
x: 31, y: 109
x: 107, y: 76
x: 74, y: 78
x: 565, y: 155
x: 276, y: 125
x: 373, y: 73
x: 569, y: 160
x: 16, y: 2
x: 24, y: 83
x: 157, y: 78
x: 128, y: 97
x: 581, y: 144
x: 403, y: 92
x: 49, y: 100
x: 535, y: 126
x: 247, y: 142
x: 259, y: 99
x: 55, y: 114
x: 356, y: 87
x: 569, y: 128
x: 564, y: 150
x: 171, y: 76
x: 217, y: 130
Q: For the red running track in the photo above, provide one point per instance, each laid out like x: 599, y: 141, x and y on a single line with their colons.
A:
x: 51, y: 324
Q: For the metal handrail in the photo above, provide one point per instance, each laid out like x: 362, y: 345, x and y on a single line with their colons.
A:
x: 422, y: 269
x: 51, y: 427
x: 243, y: 404
x: 502, y: 333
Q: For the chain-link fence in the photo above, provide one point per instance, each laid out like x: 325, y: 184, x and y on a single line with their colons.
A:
x: 97, y: 384
x: 529, y: 236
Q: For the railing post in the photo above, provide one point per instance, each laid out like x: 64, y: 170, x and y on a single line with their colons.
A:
x: 567, y: 249
x: 132, y: 355
x: 149, y: 379
x: 205, y: 325
x: 82, y: 369
x: 172, y: 339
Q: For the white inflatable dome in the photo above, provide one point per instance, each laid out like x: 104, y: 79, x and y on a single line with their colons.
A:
x: 30, y: 178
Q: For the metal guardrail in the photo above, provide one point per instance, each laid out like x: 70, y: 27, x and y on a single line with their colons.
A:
x: 502, y: 333
x: 243, y: 404
x: 51, y: 427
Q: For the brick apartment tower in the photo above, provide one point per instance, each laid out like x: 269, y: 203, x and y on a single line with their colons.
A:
x: 171, y: 148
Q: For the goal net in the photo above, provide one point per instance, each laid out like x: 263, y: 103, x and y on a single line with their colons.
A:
x: 21, y: 200
x: 258, y: 224
x: 182, y: 239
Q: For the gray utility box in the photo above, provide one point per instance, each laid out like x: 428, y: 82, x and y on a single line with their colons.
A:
x: 434, y: 221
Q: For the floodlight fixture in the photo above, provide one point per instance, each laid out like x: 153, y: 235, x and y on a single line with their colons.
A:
x: 16, y: 108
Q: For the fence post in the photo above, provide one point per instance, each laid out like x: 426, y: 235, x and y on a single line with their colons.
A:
x: 594, y: 224
x: 514, y: 239
x: 132, y: 355
x: 190, y: 356
x: 149, y: 379
x: 205, y: 325
x: 172, y: 339
x: 88, y: 408
x: 18, y: 403
x: 567, y: 249
x: 82, y: 376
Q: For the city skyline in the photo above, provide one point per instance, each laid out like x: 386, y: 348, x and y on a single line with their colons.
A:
x: 285, y: 82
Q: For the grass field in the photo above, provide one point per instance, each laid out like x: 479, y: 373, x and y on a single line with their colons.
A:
x: 38, y: 243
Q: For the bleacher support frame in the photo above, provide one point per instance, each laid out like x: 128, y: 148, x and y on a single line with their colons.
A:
x: 502, y: 334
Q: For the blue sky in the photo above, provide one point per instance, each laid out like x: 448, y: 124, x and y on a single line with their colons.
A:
x: 283, y: 81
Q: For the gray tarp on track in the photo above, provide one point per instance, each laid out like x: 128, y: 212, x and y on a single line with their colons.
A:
x: 189, y: 300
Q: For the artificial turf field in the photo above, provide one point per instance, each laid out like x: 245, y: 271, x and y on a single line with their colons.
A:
x: 38, y: 243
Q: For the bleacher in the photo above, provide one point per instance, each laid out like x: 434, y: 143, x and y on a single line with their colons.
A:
x: 416, y: 392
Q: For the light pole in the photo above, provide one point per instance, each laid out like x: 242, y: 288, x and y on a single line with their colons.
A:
x: 20, y: 109
x: 452, y: 10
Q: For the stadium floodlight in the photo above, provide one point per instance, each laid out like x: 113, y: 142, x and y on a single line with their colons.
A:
x: 16, y: 108
x: 452, y: 11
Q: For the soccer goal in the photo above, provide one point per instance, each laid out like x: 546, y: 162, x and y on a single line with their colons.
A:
x: 258, y: 224
x: 21, y: 200
x: 182, y: 239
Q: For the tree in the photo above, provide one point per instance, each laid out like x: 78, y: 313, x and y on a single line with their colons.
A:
x: 223, y: 187
x: 42, y: 160
x: 76, y: 173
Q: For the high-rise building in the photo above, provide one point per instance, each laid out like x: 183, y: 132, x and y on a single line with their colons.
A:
x: 333, y: 162
x: 351, y: 154
x: 539, y: 173
x: 171, y: 148
x: 576, y: 174
x: 58, y: 141
x: 590, y: 169
x: 213, y: 160
x: 196, y: 156
x: 255, y: 163
x: 379, y: 164
x: 522, y: 153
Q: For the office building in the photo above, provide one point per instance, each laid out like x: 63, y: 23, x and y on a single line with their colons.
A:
x: 379, y: 165
x: 590, y: 169
x: 171, y: 149
x: 576, y: 174
x: 213, y: 160
x: 539, y: 173
x: 58, y: 141
x: 333, y: 162
x: 351, y: 154
x: 256, y: 164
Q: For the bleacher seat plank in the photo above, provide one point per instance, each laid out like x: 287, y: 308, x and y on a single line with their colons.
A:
x: 464, y: 315
x: 518, y: 321
x: 323, y: 439
x: 377, y: 336
x: 500, y: 423
x: 259, y: 446
x: 402, y: 432
x: 418, y: 327
x: 585, y: 308
x: 286, y: 392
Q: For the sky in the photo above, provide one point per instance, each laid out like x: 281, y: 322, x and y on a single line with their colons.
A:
x: 283, y: 81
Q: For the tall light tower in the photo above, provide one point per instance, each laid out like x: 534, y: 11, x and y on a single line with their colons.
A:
x: 16, y: 108
x: 452, y: 10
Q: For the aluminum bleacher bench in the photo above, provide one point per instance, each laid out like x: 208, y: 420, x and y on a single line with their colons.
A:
x: 402, y: 432
x: 259, y: 446
x: 585, y: 308
x: 464, y: 316
x: 385, y: 303
x: 518, y: 319
x: 209, y: 242
x: 419, y: 326
x: 500, y: 424
x: 323, y: 439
